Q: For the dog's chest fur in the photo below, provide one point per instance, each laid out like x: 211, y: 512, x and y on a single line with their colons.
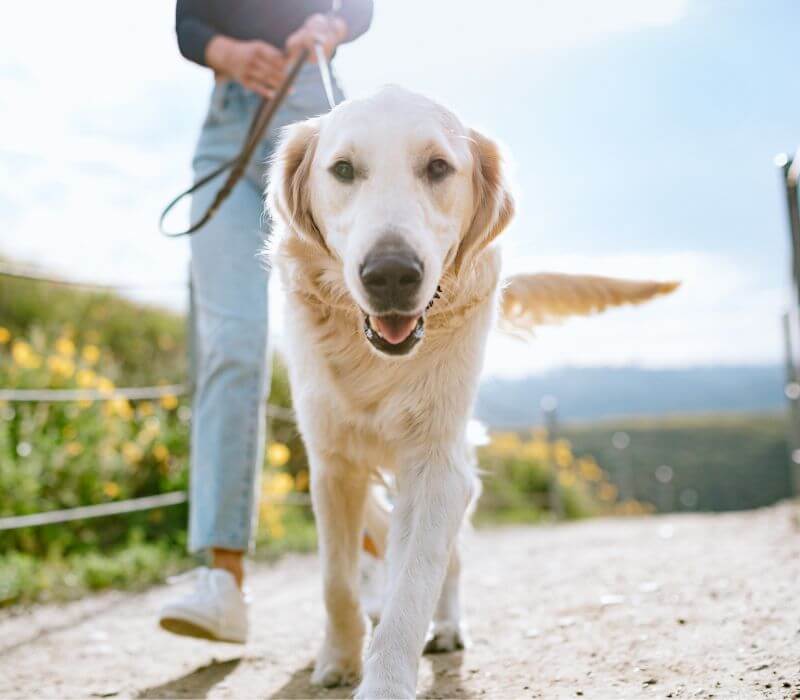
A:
x: 341, y: 380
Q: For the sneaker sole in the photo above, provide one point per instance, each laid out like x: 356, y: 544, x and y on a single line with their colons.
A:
x: 185, y: 628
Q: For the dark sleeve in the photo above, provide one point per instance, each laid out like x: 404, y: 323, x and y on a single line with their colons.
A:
x: 194, y: 27
x: 358, y: 15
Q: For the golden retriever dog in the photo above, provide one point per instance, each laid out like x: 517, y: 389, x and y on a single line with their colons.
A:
x: 385, y: 210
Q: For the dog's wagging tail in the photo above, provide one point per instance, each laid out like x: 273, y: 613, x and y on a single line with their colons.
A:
x: 548, y: 297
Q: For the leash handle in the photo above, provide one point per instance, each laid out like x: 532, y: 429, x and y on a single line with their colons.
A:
x: 238, y: 164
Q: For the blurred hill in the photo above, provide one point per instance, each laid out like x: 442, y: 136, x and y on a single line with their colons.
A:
x: 608, y: 392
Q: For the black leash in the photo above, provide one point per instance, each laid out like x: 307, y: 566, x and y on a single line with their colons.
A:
x: 238, y: 164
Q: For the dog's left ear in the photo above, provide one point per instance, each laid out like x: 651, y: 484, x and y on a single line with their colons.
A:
x: 288, y: 194
x: 494, y: 203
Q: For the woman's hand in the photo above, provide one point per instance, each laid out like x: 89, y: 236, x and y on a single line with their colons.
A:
x: 327, y: 31
x: 255, y: 64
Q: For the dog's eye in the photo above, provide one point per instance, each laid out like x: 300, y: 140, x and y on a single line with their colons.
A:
x: 343, y: 171
x: 438, y: 169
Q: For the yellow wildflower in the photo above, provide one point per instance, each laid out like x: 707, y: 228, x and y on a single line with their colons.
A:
x: 506, y: 442
x: 566, y: 479
x: 119, y: 407
x: 65, y: 347
x: 5, y: 335
x: 589, y: 469
x: 60, y: 366
x: 161, y: 453
x: 536, y: 449
x: 277, y: 484
x: 73, y: 449
x: 301, y: 481
x: 146, y: 409
x: 149, y: 430
x: 562, y: 453
x: 169, y: 402
x: 90, y: 354
x: 85, y: 378
x: 278, y: 454
x: 24, y: 355
x: 105, y: 385
x: 607, y: 492
x: 270, y: 516
x: 132, y: 452
x: 111, y: 489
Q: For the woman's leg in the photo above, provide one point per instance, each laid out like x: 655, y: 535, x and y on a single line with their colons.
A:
x: 230, y: 312
x: 231, y: 382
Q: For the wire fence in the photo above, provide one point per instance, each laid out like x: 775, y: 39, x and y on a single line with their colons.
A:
x: 143, y: 393
x: 33, y: 274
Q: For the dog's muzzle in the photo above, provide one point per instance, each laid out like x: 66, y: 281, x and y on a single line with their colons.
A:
x: 396, y: 334
x: 391, y: 275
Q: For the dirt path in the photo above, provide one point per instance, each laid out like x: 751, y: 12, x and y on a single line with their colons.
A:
x: 679, y: 606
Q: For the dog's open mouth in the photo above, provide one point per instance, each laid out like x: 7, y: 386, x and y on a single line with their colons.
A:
x: 397, y: 334
x: 394, y: 334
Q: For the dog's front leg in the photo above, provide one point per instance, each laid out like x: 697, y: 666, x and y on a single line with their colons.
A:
x: 433, y: 495
x: 339, y: 490
x: 448, y: 632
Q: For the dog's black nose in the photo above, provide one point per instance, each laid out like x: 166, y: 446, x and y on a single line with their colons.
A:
x: 392, y: 274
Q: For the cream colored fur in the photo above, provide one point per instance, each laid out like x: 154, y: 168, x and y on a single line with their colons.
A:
x: 531, y: 300
x: 359, y: 410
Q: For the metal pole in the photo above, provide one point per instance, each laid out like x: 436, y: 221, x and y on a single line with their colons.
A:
x: 789, y: 177
x: 792, y: 392
x: 624, y: 471
x: 790, y: 184
x: 549, y: 405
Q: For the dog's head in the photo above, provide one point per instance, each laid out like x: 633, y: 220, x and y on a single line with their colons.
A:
x: 398, y: 191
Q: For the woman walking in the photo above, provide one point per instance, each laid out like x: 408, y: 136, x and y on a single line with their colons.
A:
x: 248, y: 44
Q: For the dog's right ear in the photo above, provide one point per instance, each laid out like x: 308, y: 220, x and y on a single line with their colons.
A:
x: 494, y: 203
x: 288, y: 195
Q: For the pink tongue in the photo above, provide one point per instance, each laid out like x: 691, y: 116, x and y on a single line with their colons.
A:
x: 394, y: 329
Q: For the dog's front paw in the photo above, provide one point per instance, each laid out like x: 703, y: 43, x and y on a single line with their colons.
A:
x: 445, y: 638
x: 333, y: 669
x: 382, y: 691
x: 385, y: 676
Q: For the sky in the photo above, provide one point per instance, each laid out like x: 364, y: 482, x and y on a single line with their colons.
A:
x: 642, y: 136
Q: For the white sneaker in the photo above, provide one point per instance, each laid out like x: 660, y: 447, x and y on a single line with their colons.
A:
x: 216, y: 609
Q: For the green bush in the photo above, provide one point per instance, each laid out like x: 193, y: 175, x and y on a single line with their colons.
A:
x: 519, y: 471
x: 62, y: 455
x: 146, y: 344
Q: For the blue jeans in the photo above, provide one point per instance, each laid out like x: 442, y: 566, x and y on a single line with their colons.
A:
x: 229, y: 300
